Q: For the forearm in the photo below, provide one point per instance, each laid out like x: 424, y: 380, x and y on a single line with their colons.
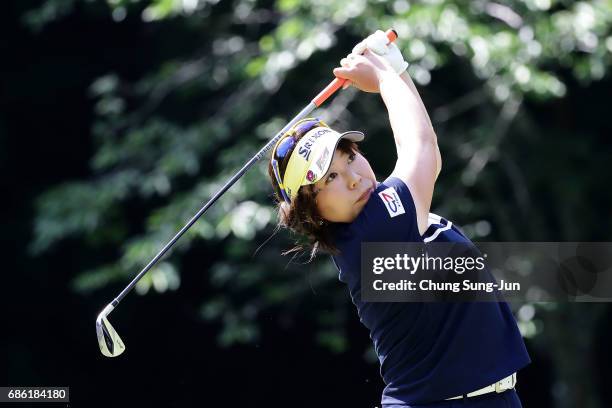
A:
x: 408, y: 81
x: 409, y: 123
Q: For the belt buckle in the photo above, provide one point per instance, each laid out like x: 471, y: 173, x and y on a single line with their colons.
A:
x: 500, y: 383
x: 498, y: 387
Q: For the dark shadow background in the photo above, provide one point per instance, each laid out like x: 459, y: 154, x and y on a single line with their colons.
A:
x: 49, y: 338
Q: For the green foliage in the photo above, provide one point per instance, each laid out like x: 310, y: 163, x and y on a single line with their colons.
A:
x: 167, y: 141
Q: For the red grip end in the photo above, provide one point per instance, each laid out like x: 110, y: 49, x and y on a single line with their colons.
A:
x: 391, y: 35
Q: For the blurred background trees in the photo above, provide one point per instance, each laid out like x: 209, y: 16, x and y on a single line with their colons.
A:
x: 146, y: 108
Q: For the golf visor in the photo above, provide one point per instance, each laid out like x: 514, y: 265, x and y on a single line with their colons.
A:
x: 312, y: 157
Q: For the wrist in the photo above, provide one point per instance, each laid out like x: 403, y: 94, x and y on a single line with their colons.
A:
x: 402, y: 68
x: 387, y: 76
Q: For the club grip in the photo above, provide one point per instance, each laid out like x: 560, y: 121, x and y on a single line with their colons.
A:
x: 338, y: 82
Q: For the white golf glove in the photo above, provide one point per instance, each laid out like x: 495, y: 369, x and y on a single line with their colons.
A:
x: 379, y: 44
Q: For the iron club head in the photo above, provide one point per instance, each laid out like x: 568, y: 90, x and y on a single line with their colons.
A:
x: 109, y: 341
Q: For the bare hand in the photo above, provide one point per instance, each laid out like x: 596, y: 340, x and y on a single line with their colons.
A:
x: 364, y: 71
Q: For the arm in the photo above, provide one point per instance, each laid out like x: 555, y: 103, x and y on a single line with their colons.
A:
x: 408, y: 81
x: 378, y: 43
x: 415, y: 140
x: 417, y: 148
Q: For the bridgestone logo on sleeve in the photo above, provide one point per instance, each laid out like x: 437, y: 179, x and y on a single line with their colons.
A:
x: 392, y: 202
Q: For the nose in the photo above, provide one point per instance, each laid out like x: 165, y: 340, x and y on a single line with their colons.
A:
x: 354, y: 179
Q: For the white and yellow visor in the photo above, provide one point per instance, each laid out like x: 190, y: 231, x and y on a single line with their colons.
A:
x: 312, y: 157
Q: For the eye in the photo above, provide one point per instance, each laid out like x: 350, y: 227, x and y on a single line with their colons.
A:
x: 331, y: 177
x: 351, y: 157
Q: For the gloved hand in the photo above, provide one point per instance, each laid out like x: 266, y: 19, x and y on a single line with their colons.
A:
x: 378, y: 44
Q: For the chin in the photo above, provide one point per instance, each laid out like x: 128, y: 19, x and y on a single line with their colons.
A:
x: 354, y: 216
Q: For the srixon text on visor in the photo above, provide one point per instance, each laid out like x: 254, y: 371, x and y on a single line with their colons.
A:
x: 305, y: 150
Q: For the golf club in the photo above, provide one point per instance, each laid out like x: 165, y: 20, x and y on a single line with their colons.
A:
x: 109, y: 341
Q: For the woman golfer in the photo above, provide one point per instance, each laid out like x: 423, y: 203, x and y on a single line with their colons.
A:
x: 431, y: 354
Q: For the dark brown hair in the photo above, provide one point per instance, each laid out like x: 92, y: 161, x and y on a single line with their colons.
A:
x: 302, y: 216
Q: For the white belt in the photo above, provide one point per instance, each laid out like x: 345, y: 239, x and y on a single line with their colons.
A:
x: 502, y: 385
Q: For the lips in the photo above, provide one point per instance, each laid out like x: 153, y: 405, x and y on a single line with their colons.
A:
x: 366, y: 195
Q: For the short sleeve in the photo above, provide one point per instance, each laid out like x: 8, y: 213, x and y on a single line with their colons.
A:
x: 389, y: 215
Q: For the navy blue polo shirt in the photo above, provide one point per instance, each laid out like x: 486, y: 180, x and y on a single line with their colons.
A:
x: 427, y: 351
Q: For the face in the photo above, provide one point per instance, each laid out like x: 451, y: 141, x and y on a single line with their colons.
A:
x: 340, y: 192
